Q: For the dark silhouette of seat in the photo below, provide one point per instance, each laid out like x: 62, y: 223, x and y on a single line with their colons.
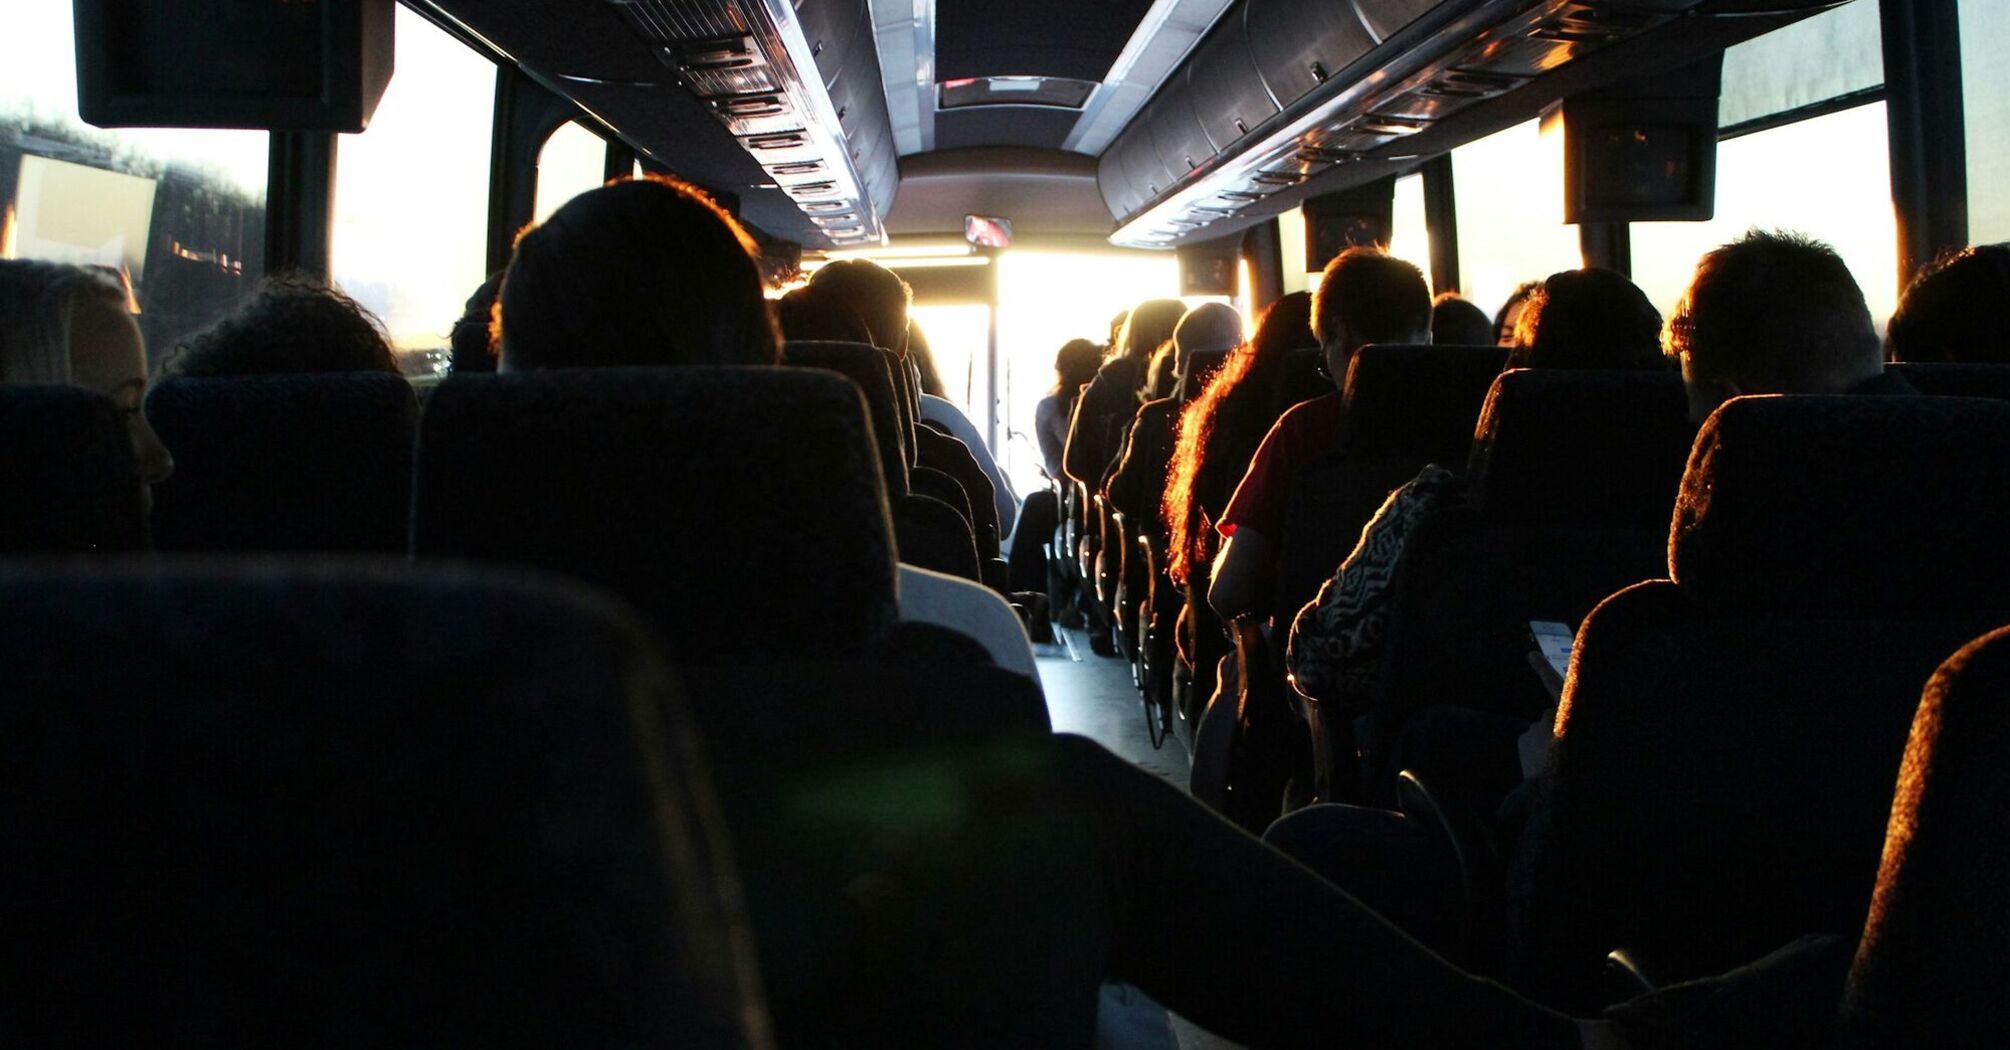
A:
x: 743, y: 510
x: 1952, y: 379
x: 1574, y: 477
x: 1728, y: 737
x: 1303, y: 377
x: 1931, y: 968
x: 925, y: 533
x: 352, y: 805
x: 285, y: 463
x: 1406, y: 407
x: 66, y: 474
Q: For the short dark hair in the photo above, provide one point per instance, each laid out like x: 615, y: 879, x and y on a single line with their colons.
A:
x: 1589, y: 318
x: 290, y: 324
x: 1377, y: 297
x: 644, y: 271
x: 878, y: 295
x: 1956, y: 309
x: 1457, y: 322
x: 1775, y: 312
x: 816, y: 313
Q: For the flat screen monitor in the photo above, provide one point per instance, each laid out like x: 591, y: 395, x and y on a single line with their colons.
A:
x: 74, y: 213
x: 987, y: 232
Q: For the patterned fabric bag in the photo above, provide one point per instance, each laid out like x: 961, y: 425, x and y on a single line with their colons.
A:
x: 1336, y: 640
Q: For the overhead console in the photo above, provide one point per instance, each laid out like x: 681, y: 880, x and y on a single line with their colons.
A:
x: 780, y: 104
x: 799, y: 89
x: 1282, y: 93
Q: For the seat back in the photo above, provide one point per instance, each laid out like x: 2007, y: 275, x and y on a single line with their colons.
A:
x: 1728, y: 739
x: 1201, y: 365
x: 741, y: 509
x: 285, y: 463
x: 1948, y: 379
x: 1574, y: 477
x: 67, y: 476
x: 1931, y: 968
x: 867, y: 366
x: 264, y: 804
x: 1406, y: 407
x: 1303, y: 377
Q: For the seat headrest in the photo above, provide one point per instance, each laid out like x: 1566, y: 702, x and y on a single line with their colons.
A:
x: 1950, y: 379
x: 379, y: 803
x: 1582, y: 448
x: 1921, y: 979
x: 1884, y: 506
x: 67, y: 476
x: 317, y: 462
x: 867, y: 366
x: 1417, y: 402
x: 742, y: 509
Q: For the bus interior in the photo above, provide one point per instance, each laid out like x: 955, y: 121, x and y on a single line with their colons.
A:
x: 1435, y: 694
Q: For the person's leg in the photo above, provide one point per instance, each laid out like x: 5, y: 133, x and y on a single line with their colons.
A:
x: 1037, y: 518
x: 1248, y: 943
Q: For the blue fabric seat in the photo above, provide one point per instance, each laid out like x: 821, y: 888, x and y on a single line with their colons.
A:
x: 66, y: 474
x: 312, y: 463
x: 1729, y: 736
x: 353, y: 805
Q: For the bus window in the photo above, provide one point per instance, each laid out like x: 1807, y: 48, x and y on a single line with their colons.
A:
x: 1985, y: 99
x: 1828, y: 177
x: 572, y: 161
x: 1508, y: 190
x: 180, y: 212
x: 411, y: 193
x: 1409, y: 238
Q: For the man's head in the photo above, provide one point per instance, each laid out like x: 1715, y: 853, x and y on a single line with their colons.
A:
x: 876, y: 293
x: 1366, y: 296
x: 1772, y: 313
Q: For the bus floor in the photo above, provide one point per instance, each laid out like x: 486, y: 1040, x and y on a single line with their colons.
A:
x: 1093, y: 696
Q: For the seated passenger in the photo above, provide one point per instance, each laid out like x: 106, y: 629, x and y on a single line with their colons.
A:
x: 1956, y: 309
x: 586, y: 289
x: 289, y: 325
x: 1137, y: 486
x: 69, y: 325
x: 1589, y: 318
x: 1106, y: 406
x: 469, y: 340
x: 923, y: 357
x: 808, y: 313
x: 1457, y: 322
x: 1509, y: 314
x: 1364, y: 296
x: 1074, y: 366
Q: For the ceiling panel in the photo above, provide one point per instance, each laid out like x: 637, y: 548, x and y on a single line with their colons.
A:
x: 985, y: 38
x: 1004, y: 126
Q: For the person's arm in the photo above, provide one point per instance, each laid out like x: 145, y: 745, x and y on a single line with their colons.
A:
x: 1084, y: 430
x: 1239, y: 570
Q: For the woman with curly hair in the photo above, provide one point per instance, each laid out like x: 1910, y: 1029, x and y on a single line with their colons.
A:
x: 1218, y: 433
x: 291, y: 324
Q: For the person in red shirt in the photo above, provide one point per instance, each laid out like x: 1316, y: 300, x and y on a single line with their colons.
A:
x: 1364, y: 296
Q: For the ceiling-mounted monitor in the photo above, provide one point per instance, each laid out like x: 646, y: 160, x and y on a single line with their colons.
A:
x: 987, y: 232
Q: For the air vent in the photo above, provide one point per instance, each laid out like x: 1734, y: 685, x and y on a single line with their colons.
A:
x: 785, y: 96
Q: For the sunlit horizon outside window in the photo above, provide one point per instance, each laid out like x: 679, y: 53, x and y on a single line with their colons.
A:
x: 572, y: 161
x: 1827, y: 177
x: 180, y: 211
x: 1508, y: 192
x: 411, y: 193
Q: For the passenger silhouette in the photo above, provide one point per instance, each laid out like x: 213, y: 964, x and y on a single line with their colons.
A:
x: 808, y: 313
x: 290, y: 324
x: 1509, y: 314
x: 1457, y: 322
x: 1074, y: 366
x: 1589, y: 318
x: 1137, y: 485
x: 1775, y: 313
x: 1106, y: 406
x: 469, y: 341
x: 69, y: 325
x: 1954, y: 310
x: 1365, y: 296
